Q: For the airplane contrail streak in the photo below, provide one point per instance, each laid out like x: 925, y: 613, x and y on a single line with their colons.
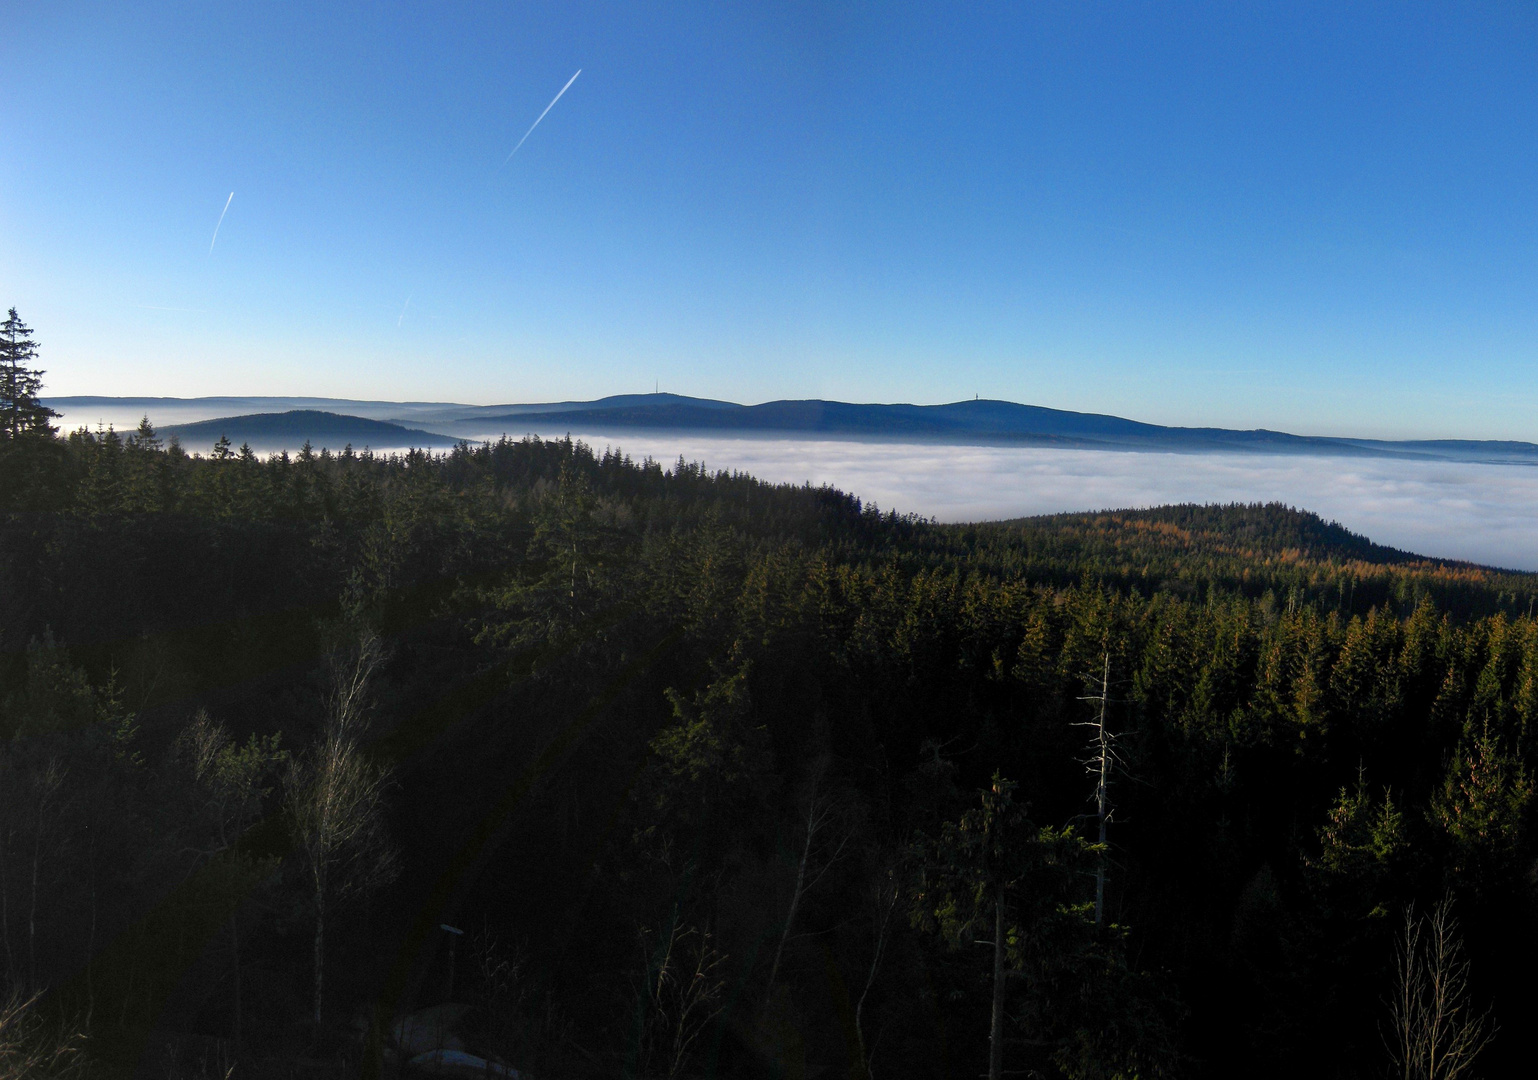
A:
x: 226, y: 210
x: 535, y: 124
x: 402, y: 315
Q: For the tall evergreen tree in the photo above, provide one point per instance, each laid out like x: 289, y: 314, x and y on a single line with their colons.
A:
x: 995, y: 870
x: 20, y: 411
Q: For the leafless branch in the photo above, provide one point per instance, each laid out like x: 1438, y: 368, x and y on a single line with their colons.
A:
x: 1434, y: 1032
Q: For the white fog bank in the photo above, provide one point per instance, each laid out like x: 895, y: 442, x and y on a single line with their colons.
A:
x: 1482, y: 513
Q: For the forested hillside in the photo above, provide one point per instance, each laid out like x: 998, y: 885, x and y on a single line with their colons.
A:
x: 724, y: 778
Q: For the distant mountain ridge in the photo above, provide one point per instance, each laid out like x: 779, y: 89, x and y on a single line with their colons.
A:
x: 980, y: 421
x: 983, y: 421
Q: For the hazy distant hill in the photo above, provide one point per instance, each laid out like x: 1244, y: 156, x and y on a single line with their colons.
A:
x: 977, y: 421
x: 295, y: 427
x: 961, y: 422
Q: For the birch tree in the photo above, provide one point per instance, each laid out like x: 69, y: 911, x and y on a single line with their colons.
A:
x: 233, y: 780
x: 335, y: 799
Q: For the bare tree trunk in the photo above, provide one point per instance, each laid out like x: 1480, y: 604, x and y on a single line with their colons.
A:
x: 335, y: 796
x: 818, y: 813
x: 235, y: 951
x: 996, y: 1028
x: 1101, y: 790
x: 886, y: 901
x: 320, y: 950
x: 1101, y: 761
x: 812, y: 823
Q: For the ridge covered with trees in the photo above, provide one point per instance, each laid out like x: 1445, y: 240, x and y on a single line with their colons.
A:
x: 624, y: 769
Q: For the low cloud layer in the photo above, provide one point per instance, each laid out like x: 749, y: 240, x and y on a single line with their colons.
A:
x: 1482, y: 513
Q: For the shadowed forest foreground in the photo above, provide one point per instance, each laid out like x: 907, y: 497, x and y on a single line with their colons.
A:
x: 714, y: 777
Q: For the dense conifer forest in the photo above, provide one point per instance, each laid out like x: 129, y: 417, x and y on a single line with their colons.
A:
x: 715, y: 777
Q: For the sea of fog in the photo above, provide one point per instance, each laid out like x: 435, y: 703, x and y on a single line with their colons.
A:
x: 1482, y: 513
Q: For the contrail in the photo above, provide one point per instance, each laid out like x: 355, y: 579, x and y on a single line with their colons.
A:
x: 226, y: 210
x: 535, y: 124
x: 402, y: 315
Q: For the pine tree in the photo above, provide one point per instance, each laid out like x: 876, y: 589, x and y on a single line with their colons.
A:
x: 20, y: 411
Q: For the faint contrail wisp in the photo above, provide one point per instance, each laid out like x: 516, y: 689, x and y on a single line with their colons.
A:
x: 402, y: 315
x: 535, y: 124
x: 226, y: 210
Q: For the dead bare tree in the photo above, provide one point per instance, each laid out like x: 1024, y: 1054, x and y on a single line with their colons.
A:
x: 682, y: 996
x: 1103, y: 760
x: 335, y: 799
x: 885, y: 893
x: 28, y: 1049
x: 820, y: 814
x: 1434, y: 1032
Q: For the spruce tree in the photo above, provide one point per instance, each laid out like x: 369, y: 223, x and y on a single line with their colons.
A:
x: 20, y: 411
x: 995, y: 874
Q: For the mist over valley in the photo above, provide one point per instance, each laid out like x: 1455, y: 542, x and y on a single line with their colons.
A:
x: 1450, y: 499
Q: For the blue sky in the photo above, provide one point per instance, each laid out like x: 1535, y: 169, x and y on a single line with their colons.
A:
x: 1316, y: 218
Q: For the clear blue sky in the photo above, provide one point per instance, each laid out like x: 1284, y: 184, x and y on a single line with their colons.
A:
x: 1322, y: 218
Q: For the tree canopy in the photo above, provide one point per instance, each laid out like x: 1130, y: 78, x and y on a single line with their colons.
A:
x: 671, y: 747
